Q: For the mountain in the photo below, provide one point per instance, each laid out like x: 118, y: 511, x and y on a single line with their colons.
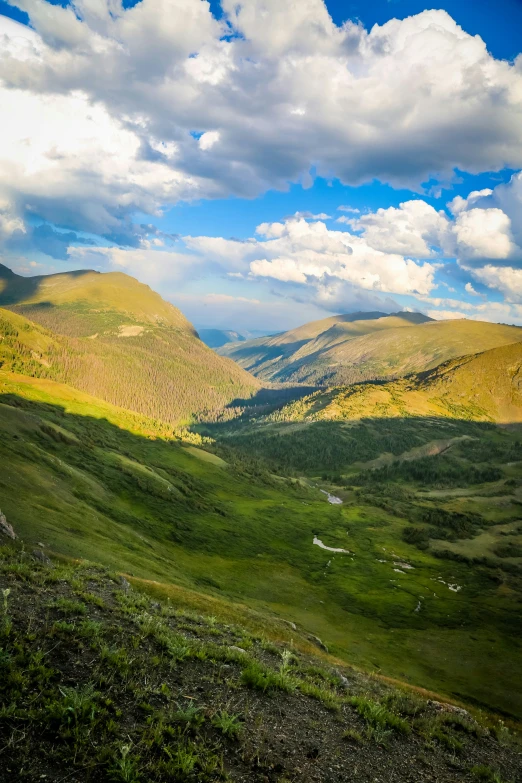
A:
x: 215, y: 338
x: 478, y: 387
x: 330, y: 430
x: 115, y: 338
x: 365, y: 346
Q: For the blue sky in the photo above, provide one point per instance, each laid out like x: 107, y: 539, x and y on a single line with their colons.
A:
x: 262, y: 164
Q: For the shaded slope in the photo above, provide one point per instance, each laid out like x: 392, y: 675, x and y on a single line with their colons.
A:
x: 114, y: 338
x: 368, y: 348
x: 267, y: 357
x: 215, y: 338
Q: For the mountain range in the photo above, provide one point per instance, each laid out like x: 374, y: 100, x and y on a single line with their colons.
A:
x: 365, y: 346
x: 373, y: 525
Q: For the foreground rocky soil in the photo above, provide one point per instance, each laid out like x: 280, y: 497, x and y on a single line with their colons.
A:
x: 99, y: 682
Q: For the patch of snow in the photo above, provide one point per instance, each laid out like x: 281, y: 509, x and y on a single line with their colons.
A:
x: 332, y: 498
x: 398, y: 570
x: 407, y: 566
x: 318, y: 542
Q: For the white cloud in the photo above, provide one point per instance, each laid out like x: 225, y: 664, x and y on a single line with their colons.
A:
x: 344, y: 208
x: 300, y: 252
x: 208, y: 139
x: 445, y: 315
x: 483, y: 234
x: 496, y: 312
x: 112, y: 110
x: 414, y: 228
x: 156, y: 267
x: 506, y: 279
x: 470, y: 290
x: 459, y: 204
x: 311, y: 216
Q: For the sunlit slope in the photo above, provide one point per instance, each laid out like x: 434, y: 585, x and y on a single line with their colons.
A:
x: 371, y: 348
x: 84, y: 298
x: 114, y: 338
x: 481, y: 387
x: 267, y: 357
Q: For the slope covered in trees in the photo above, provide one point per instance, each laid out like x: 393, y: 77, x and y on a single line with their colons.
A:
x: 366, y: 346
x: 114, y: 338
x: 481, y: 387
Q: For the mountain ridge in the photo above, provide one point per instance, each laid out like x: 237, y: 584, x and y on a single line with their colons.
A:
x: 342, y: 352
x: 115, y: 338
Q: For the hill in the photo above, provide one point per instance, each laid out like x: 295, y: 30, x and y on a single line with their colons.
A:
x: 83, y: 479
x: 335, y: 428
x: 173, y: 694
x: 215, y: 338
x: 114, y: 338
x: 480, y: 387
x: 366, y: 346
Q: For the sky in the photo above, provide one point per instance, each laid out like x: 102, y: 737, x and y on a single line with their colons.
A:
x: 264, y: 163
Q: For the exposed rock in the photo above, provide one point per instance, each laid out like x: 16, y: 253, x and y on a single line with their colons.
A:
x: 344, y: 681
x: 5, y: 528
x: 238, y: 649
x: 125, y: 584
x: 319, y: 643
x: 39, y: 555
x: 442, y: 707
x: 156, y: 606
x: 292, y: 625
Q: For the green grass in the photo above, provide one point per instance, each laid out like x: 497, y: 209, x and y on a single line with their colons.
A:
x: 135, y: 713
x: 343, y: 350
x: 235, y: 542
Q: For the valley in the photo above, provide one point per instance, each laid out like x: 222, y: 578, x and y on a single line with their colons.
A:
x: 379, y: 521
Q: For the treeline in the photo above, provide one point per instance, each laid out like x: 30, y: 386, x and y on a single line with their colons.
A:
x: 328, y: 447
x: 437, y: 471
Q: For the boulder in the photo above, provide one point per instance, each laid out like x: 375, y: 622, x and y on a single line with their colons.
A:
x: 443, y: 707
x: 318, y: 642
x: 125, y: 584
x: 39, y: 555
x: 5, y: 528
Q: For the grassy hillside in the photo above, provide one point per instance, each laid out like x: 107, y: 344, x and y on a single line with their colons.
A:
x: 368, y: 346
x: 173, y: 695
x: 114, y: 338
x: 481, y: 387
x: 87, y: 480
x: 333, y: 429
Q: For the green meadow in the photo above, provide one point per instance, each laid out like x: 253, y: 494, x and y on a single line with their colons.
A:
x: 92, y: 481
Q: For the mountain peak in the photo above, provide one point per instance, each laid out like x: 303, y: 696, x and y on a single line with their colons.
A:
x: 5, y: 272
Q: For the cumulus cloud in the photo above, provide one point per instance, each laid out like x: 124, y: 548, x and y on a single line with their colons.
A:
x: 414, y: 228
x: 483, y: 232
x: 108, y: 111
x: 297, y: 251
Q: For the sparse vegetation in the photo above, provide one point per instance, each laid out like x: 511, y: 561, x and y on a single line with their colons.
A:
x: 135, y: 714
